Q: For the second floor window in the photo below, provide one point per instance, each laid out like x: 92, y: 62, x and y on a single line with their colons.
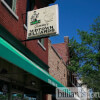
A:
x: 11, y: 4
x: 41, y: 41
x: 30, y: 6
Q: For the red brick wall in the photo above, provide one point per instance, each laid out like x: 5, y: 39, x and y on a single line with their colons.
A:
x: 57, y: 67
x: 35, y: 47
x: 16, y: 27
x: 63, y: 49
x: 13, y: 25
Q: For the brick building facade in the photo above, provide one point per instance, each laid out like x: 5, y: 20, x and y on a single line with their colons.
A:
x: 63, y: 50
x: 58, y: 57
x: 15, y: 22
x: 57, y: 65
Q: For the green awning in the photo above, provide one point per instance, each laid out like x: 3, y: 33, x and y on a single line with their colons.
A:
x: 11, y: 54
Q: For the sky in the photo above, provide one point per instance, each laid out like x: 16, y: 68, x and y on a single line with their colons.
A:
x: 73, y: 15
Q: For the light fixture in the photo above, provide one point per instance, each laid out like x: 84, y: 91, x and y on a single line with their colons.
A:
x: 33, y: 83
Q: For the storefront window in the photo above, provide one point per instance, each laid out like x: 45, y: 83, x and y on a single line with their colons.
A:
x: 3, y: 91
x: 14, y: 92
x: 3, y: 97
x: 11, y: 4
x: 29, y: 97
x: 17, y: 96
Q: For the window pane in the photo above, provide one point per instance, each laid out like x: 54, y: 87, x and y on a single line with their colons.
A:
x: 9, y: 2
x: 30, y: 6
x: 17, y: 96
x: 28, y: 97
x: 41, y: 41
x: 14, y: 5
x: 3, y: 97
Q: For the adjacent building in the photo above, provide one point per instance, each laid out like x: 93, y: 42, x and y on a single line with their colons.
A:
x: 57, y: 59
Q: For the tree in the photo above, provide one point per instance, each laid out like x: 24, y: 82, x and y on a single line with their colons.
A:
x: 85, y: 56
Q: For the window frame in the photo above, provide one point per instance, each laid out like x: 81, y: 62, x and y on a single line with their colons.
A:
x: 42, y: 44
x: 9, y: 8
x: 14, y: 5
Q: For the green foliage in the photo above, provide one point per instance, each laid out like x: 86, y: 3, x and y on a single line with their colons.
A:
x: 85, y: 56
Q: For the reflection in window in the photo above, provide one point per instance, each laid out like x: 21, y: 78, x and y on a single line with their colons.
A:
x: 3, y: 97
x: 41, y: 41
x: 12, y: 4
x: 17, y: 96
x: 29, y: 97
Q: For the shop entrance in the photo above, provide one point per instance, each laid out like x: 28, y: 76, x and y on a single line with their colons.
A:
x: 30, y: 95
x: 19, y: 96
x: 16, y: 96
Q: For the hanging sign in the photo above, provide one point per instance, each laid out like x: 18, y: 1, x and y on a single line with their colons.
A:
x: 42, y: 22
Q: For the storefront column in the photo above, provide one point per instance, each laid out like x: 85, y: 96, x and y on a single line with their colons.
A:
x: 9, y: 93
x: 53, y: 97
x: 39, y: 95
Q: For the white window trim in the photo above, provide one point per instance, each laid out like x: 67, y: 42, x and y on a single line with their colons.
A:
x: 41, y: 45
x: 11, y: 11
x: 25, y: 26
